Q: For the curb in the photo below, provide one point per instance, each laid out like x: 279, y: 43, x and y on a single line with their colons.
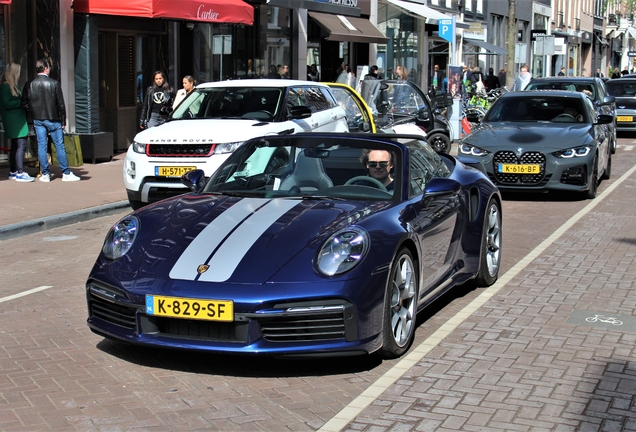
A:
x: 37, y: 225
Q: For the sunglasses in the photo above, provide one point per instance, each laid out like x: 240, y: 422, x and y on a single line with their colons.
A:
x: 382, y: 164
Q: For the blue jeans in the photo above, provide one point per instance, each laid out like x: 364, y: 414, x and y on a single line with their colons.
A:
x: 42, y: 129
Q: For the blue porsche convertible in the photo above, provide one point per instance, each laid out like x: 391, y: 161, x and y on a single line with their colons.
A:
x: 299, y: 245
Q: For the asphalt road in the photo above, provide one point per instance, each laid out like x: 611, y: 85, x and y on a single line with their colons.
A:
x: 57, y: 375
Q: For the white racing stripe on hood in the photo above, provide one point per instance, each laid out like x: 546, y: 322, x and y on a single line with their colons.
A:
x: 199, y: 251
x: 231, y: 252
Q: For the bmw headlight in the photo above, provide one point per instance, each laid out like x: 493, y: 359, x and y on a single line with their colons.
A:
x: 469, y: 149
x: 227, y: 147
x: 121, y: 237
x: 139, y: 147
x: 573, y: 152
x: 342, y: 251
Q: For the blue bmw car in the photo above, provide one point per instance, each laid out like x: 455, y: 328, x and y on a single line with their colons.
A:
x: 299, y: 245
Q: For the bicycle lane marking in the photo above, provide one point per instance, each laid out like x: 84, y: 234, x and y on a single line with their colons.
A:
x: 366, y: 398
x: 24, y: 293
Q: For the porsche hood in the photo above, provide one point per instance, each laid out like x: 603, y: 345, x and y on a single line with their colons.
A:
x: 236, y: 240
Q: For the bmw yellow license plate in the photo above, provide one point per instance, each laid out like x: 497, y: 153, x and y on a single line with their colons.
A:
x: 519, y: 169
x: 189, y: 308
x: 624, y: 118
x: 172, y: 171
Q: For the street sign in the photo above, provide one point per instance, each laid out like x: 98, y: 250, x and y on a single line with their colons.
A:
x: 520, y: 52
x: 544, y: 45
x: 446, y: 29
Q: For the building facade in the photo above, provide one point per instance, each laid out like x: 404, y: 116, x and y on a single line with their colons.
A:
x: 105, y: 52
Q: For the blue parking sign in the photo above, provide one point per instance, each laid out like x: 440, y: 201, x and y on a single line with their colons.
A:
x: 446, y: 29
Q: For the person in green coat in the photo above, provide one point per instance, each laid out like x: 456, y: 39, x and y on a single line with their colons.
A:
x: 14, y: 121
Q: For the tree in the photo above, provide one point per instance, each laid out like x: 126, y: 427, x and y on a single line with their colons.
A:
x: 510, y: 44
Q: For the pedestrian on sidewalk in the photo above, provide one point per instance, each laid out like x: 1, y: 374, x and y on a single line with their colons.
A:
x: 42, y: 97
x: 14, y: 120
x: 157, y: 103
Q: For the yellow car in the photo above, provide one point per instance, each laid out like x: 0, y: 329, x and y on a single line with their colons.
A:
x: 359, y: 115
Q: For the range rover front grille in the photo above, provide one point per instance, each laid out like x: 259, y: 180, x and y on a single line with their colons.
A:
x: 180, y: 150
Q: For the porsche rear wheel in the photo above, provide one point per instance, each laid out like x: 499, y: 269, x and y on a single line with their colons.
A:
x: 490, y: 260
x: 400, y: 306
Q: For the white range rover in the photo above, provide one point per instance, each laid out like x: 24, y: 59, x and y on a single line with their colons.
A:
x: 213, y: 121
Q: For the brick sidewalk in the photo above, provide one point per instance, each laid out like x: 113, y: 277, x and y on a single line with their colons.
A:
x: 527, y: 359
x: 101, y: 184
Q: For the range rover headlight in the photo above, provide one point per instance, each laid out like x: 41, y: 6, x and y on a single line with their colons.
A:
x: 227, y: 147
x: 342, y: 251
x: 121, y: 237
x: 580, y: 151
x: 139, y: 147
x: 469, y: 149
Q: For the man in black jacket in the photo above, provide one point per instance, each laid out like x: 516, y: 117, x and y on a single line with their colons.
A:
x: 42, y: 98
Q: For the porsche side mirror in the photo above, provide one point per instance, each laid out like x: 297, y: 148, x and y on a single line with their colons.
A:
x: 438, y: 187
x: 195, y: 180
x: 609, y: 100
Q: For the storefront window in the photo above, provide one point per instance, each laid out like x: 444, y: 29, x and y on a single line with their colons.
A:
x: 402, y: 48
x: 226, y: 51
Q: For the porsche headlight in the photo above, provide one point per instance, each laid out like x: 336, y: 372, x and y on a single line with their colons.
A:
x: 573, y: 152
x: 121, y: 237
x: 139, y: 147
x: 342, y: 251
x: 469, y: 149
x: 227, y: 147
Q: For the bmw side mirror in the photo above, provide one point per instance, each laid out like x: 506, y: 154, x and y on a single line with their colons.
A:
x: 605, y: 119
x: 195, y: 180
x: 609, y: 100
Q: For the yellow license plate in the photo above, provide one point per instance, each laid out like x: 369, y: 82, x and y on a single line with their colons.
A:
x: 189, y: 308
x: 518, y: 169
x: 172, y: 171
x: 625, y: 118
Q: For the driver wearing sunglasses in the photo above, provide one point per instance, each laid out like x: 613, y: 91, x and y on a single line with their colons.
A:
x: 379, y: 164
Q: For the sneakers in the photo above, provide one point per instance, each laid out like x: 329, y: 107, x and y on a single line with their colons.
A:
x: 23, y: 177
x: 70, y: 177
x: 45, y: 178
x: 12, y: 175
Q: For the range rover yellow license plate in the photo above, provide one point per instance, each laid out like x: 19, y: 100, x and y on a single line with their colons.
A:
x: 172, y: 171
x: 189, y: 308
x: 624, y: 118
x: 519, y: 169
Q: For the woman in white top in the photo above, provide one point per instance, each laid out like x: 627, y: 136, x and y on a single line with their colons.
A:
x: 188, y: 85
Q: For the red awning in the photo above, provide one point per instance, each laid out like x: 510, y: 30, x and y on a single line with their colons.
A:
x: 5, y: 1
x: 212, y: 11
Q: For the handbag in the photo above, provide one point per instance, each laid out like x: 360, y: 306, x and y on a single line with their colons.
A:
x: 73, y: 149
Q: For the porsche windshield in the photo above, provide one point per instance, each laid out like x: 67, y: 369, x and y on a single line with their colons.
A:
x: 311, y: 169
x: 231, y: 102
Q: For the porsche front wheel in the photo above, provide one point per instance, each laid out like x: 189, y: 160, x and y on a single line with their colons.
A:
x: 490, y: 259
x: 400, y: 306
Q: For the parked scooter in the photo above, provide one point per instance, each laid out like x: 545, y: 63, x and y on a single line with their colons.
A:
x: 388, y: 117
